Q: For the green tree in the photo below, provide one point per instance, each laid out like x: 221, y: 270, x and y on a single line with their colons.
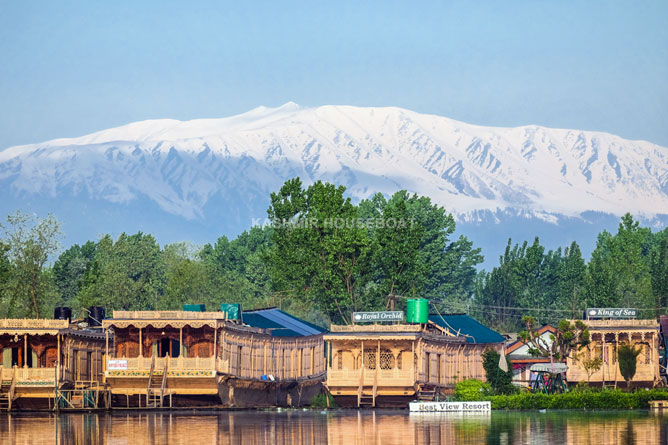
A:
x: 659, y: 272
x: 569, y: 337
x: 571, y: 282
x: 627, y: 355
x: 500, y: 381
x: 317, y: 250
x: 619, y: 270
x: 126, y: 274
x: 588, y: 362
x: 69, y: 271
x: 31, y: 241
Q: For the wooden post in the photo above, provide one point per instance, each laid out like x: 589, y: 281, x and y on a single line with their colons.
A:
x: 215, y: 345
x: 25, y: 350
x: 141, y: 344
x: 58, y: 360
x: 181, y: 344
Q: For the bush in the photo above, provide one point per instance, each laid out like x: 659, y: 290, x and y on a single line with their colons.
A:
x: 605, y: 399
x: 319, y: 401
x: 472, y: 389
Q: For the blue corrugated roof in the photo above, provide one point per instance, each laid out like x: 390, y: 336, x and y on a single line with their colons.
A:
x: 280, y: 324
x: 474, y: 331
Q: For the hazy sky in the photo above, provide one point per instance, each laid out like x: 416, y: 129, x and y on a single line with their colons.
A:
x: 70, y: 68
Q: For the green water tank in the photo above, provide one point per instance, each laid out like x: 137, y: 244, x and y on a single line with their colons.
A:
x: 232, y: 310
x: 410, y: 310
x: 421, y: 311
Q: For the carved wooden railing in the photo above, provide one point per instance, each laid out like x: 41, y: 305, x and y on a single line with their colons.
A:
x: 164, y: 381
x: 385, y: 377
x: 174, y: 364
x: 150, y: 374
x: 12, y: 389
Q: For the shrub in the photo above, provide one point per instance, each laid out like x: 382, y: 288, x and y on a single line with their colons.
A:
x: 605, y: 399
x: 319, y: 401
x: 501, y: 381
x: 471, y: 390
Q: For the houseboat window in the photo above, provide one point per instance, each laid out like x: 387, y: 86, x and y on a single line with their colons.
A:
x: 340, y: 360
x: 168, y: 347
x: 386, y: 359
x: 370, y: 358
x: 647, y: 354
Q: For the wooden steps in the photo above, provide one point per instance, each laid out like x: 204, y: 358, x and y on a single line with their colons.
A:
x: 5, y: 401
x: 427, y: 394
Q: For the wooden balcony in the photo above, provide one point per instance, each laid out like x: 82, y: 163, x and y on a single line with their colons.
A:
x: 174, y: 365
x: 385, y: 377
x: 28, y: 376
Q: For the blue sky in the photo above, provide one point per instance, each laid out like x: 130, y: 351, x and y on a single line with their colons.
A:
x: 70, y: 68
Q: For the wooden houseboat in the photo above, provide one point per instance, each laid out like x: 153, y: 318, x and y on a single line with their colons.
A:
x: 183, y: 358
x: 392, y: 364
x: 50, y: 364
x: 606, y: 336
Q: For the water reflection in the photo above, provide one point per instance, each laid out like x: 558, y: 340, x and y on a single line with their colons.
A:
x: 334, y: 427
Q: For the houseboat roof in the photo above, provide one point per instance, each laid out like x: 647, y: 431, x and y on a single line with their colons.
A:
x: 280, y: 324
x: 462, y: 324
x: 34, y: 326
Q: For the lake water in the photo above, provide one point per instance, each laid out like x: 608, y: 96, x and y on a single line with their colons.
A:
x: 344, y: 427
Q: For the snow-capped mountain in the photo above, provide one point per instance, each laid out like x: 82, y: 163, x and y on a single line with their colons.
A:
x: 219, y: 172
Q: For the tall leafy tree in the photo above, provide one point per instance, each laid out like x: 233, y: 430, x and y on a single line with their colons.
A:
x: 69, y: 271
x: 32, y: 242
x: 659, y: 272
x: 127, y: 274
x: 318, y: 250
x: 571, y: 281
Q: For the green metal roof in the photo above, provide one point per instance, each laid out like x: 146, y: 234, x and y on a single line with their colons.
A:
x: 473, y: 330
x: 279, y: 323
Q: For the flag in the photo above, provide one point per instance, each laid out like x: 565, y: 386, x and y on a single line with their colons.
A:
x: 503, y: 364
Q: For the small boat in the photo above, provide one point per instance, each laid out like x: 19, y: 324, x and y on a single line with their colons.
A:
x: 446, y: 407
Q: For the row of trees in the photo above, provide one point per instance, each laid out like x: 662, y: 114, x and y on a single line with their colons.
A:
x: 628, y: 269
x: 320, y: 258
x: 323, y: 256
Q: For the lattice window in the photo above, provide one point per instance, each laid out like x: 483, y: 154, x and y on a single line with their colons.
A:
x: 399, y: 360
x: 386, y: 359
x: 647, y: 354
x: 339, y: 360
x: 370, y: 358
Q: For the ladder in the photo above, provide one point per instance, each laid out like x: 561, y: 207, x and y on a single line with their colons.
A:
x: 155, y: 392
x: 7, y: 392
x: 427, y: 393
x: 366, y: 394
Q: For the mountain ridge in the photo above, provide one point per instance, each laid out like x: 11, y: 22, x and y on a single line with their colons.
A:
x: 219, y: 172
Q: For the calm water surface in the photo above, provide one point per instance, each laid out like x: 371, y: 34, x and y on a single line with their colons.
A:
x: 336, y: 427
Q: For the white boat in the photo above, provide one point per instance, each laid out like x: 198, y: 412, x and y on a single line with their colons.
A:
x: 454, y: 407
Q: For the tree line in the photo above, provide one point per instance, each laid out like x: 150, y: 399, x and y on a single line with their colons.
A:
x: 628, y: 269
x: 322, y: 256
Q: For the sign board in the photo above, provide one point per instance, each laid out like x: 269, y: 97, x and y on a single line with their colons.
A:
x: 117, y: 364
x: 454, y: 407
x: 611, y: 313
x: 368, y: 317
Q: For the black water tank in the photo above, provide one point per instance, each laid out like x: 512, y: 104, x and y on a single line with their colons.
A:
x: 62, y: 313
x: 95, y: 315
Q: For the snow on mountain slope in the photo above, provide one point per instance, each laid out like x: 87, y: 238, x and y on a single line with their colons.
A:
x: 188, y: 168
